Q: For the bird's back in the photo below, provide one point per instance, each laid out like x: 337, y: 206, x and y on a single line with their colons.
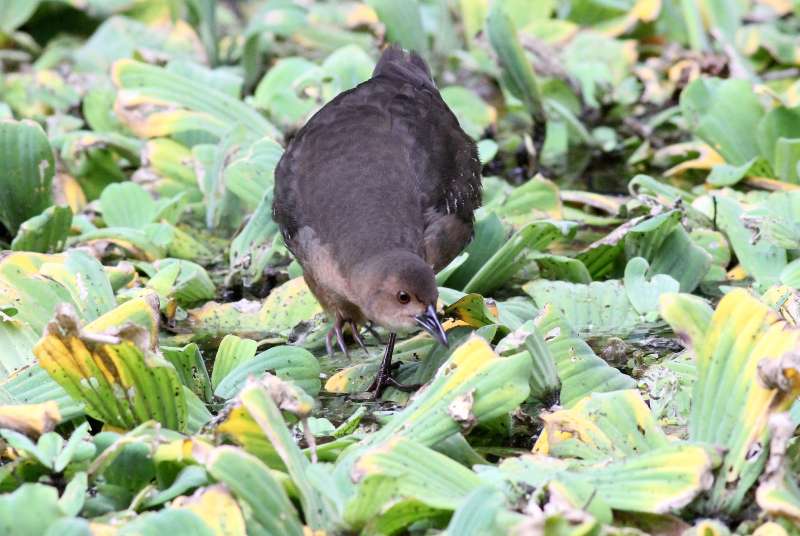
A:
x: 373, y: 167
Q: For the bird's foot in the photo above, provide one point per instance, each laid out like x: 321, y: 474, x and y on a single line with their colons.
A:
x: 357, y: 336
x: 382, y: 381
x: 372, y: 331
x: 338, y: 331
x: 384, y: 377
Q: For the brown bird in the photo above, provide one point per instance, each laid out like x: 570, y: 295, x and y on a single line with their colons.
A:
x: 373, y: 196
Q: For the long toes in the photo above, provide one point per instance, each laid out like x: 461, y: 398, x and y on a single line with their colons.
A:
x: 374, y: 333
x: 357, y: 336
x: 329, y: 343
x: 340, y: 339
x: 405, y: 387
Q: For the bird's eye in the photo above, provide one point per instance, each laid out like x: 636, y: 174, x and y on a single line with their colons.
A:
x: 403, y: 297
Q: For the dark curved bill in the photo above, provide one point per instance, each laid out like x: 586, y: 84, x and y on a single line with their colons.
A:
x: 430, y: 323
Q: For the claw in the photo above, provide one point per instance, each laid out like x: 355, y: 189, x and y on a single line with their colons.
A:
x: 374, y: 333
x: 337, y: 328
x: 357, y: 336
x: 329, y: 343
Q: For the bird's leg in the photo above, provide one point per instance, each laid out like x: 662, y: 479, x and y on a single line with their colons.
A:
x: 357, y: 336
x: 372, y: 331
x: 329, y: 343
x: 384, y: 377
x: 337, y: 331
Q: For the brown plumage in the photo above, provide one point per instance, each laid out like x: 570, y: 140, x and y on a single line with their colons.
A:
x: 374, y: 194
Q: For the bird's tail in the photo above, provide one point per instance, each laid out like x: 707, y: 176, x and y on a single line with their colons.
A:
x: 409, y: 66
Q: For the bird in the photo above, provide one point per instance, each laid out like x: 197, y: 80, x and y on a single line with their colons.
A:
x: 374, y: 195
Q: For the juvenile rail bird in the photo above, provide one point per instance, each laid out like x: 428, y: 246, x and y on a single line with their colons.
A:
x: 374, y: 195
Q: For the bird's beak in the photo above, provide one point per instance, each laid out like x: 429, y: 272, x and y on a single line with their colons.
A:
x: 430, y: 323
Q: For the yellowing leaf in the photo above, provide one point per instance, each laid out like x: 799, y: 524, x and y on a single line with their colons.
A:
x: 117, y: 372
x: 601, y: 426
x: 285, y: 308
x: 217, y: 508
x: 747, y: 370
x: 706, y: 157
x: 498, y: 384
x: 30, y: 419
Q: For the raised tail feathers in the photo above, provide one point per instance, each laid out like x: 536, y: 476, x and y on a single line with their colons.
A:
x: 397, y: 63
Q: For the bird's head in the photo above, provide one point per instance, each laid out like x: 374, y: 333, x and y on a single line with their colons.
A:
x: 398, y: 291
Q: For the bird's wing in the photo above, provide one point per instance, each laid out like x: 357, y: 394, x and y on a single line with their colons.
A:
x: 444, y: 158
x: 392, y: 146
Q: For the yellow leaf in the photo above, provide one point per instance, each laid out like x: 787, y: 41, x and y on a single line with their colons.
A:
x: 217, y: 508
x: 113, y: 366
x: 67, y: 191
x: 772, y: 185
x: 642, y: 10
x: 737, y: 273
x: 707, y: 157
x: 30, y: 419
x: 770, y: 529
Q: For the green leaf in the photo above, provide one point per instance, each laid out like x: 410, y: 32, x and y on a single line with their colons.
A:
x: 509, y: 259
x: 191, y: 368
x: 608, y: 426
x: 36, y: 284
x: 112, y: 366
x: 18, y: 518
x: 262, y: 401
x: 473, y: 113
x: 344, y: 69
x: 71, y: 448
x: 489, y: 237
x: 403, y: 470
x: 190, y: 477
x: 168, y: 521
x: 282, y: 91
x: 761, y: 260
x: 777, y: 138
x: 32, y: 385
x: 581, y: 372
x: 146, y: 94
x: 599, y: 307
x: 249, y: 173
x: 479, y: 513
x: 28, y: 169
x: 126, y: 204
x: 269, y: 509
x: 403, y: 22
x: 791, y: 274
x: 184, y: 281
x: 725, y: 114
x: 639, y: 237
x: 727, y: 174
x: 232, y: 352
x: 496, y: 384
x: 518, y: 73
x: 14, y: 13
x: 71, y: 501
x: 563, y: 268
x: 253, y: 248
x: 681, y: 258
x: 45, y: 233
x: 287, y: 362
x: 776, y: 220
x: 662, y: 480
x: 530, y: 201
x: 644, y: 294
x: 544, y: 380
x: 744, y: 362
